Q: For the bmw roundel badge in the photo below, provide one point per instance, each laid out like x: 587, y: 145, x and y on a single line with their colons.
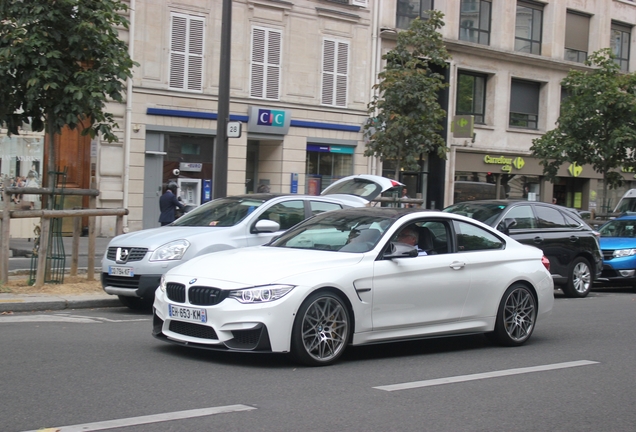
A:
x: 192, y: 281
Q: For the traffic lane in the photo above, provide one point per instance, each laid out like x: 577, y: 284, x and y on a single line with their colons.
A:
x: 141, y: 376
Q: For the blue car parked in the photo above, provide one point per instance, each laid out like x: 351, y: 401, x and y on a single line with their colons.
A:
x: 618, y: 244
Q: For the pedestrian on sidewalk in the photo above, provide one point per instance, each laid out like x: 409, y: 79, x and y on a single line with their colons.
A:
x: 168, y: 203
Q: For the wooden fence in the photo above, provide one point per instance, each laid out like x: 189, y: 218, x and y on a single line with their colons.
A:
x: 45, y: 225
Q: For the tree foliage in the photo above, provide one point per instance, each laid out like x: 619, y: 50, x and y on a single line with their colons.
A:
x: 597, y: 124
x: 407, y: 116
x: 61, y: 61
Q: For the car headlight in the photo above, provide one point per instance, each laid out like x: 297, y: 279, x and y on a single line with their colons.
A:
x: 170, y: 251
x: 261, y: 294
x: 618, y: 253
x: 162, y: 283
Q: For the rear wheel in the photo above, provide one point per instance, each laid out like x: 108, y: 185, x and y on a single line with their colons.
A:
x: 135, y: 303
x: 579, y: 278
x: 321, y: 330
x: 516, y: 317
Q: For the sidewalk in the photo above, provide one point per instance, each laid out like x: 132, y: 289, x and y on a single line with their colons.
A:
x: 22, y: 247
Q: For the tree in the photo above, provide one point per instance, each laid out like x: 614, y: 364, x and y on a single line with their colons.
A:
x: 597, y: 124
x: 407, y: 115
x: 61, y: 61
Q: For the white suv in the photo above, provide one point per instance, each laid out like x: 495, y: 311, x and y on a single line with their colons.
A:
x: 134, y: 263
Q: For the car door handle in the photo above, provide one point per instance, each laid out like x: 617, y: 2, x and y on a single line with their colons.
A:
x: 538, y: 240
x: 456, y: 265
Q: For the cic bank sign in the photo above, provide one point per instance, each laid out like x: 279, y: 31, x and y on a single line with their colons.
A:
x: 269, y: 121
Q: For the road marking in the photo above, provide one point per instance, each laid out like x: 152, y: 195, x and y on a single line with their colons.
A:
x: 495, y: 374
x: 62, y: 318
x: 156, y: 418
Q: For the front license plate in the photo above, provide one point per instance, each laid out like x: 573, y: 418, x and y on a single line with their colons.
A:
x: 187, y: 314
x: 121, y: 271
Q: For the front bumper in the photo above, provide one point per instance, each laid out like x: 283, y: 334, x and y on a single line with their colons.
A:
x: 143, y: 286
x: 229, y: 325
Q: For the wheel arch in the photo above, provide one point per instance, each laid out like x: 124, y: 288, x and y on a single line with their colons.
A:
x: 530, y: 286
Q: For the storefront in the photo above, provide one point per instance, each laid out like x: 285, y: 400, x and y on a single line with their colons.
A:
x: 481, y: 175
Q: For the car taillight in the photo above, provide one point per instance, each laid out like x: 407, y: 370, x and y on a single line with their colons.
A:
x: 546, y: 262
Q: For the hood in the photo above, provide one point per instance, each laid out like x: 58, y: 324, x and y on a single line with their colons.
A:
x: 258, y: 265
x: 154, y: 237
x: 613, y: 243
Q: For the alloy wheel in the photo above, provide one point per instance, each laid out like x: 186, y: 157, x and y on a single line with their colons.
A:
x: 324, y: 329
x: 519, y: 314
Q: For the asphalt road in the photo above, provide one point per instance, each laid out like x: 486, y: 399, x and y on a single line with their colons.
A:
x: 102, y: 370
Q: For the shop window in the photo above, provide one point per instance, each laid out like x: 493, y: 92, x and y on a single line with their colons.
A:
x: 265, y: 69
x: 619, y: 43
x: 471, y: 95
x: 529, y: 27
x: 524, y: 104
x: 21, y: 166
x: 408, y: 10
x: 474, y: 21
x: 335, y: 72
x: 577, y: 31
x: 325, y: 164
x: 186, y: 52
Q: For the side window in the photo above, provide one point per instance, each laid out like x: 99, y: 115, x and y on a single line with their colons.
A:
x: 287, y: 214
x: 549, y: 217
x: 523, y: 215
x: 473, y: 238
x: 571, y: 222
x: 318, y: 207
x: 438, y: 233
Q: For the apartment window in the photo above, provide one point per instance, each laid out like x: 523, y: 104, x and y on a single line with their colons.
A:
x: 577, y: 30
x: 524, y: 104
x: 471, y: 95
x: 186, y: 52
x: 265, y: 63
x: 408, y: 10
x: 528, y: 27
x: 621, y: 35
x: 335, y: 71
x: 474, y: 21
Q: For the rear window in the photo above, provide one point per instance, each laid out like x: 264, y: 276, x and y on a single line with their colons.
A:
x: 358, y: 187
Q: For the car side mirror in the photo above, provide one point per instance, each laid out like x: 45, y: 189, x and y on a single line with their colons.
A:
x: 506, y: 224
x: 399, y: 250
x: 266, y: 225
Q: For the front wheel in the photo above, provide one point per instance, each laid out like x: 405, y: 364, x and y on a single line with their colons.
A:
x: 516, y: 317
x: 579, y: 279
x: 321, y: 330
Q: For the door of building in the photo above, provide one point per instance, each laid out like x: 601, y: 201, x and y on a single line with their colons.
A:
x: 153, y: 174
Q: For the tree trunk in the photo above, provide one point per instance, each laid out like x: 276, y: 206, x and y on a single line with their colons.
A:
x: 50, y: 127
x: 604, y: 204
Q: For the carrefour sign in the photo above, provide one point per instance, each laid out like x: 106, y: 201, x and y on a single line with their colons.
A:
x: 269, y: 121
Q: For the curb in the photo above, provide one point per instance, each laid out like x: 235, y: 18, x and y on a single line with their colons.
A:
x: 55, y: 303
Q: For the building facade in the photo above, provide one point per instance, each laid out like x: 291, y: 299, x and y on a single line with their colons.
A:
x: 302, y: 74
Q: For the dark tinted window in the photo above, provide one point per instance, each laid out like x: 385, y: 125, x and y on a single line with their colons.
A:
x: 570, y: 221
x: 524, y: 216
x: 550, y: 217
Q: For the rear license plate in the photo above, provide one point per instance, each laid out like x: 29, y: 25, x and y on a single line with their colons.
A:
x: 121, y: 271
x: 187, y: 314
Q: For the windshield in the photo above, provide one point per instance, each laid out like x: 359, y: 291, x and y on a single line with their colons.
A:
x: 619, y: 228
x: 483, y: 212
x: 222, y: 212
x: 337, y: 231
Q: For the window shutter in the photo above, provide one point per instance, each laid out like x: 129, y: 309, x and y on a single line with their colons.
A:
x: 335, y: 70
x: 195, y: 55
x: 178, y: 27
x: 186, y: 52
x: 266, y: 61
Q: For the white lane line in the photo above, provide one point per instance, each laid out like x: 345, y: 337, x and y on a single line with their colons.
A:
x: 495, y: 374
x: 134, y: 421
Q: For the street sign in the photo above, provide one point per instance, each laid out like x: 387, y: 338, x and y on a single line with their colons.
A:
x: 234, y: 129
